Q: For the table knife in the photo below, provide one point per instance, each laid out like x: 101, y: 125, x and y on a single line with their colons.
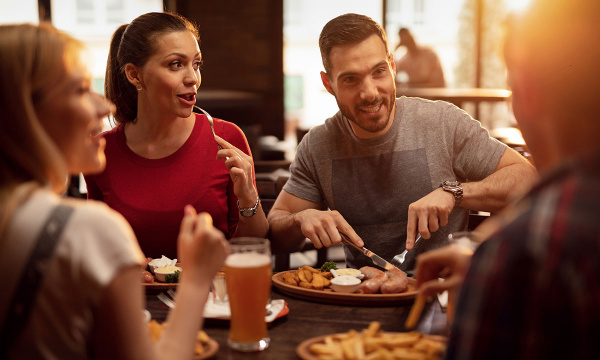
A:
x: 377, y: 260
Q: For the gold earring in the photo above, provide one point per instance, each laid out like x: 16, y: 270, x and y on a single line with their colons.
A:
x: 139, y: 87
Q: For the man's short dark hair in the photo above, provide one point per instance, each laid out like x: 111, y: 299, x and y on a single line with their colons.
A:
x: 348, y: 29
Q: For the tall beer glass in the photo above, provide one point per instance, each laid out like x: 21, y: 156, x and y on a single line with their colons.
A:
x: 248, y: 278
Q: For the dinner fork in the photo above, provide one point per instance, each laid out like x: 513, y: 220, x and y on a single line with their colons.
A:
x: 210, y: 121
x: 399, y: 259
x: 171, y: 293
x: 166, y: 300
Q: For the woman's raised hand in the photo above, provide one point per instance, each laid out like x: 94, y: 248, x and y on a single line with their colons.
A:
x: 241, y: 168
x: 202, y: 248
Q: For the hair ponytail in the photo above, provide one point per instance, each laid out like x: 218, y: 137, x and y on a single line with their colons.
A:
x: 116, y: 86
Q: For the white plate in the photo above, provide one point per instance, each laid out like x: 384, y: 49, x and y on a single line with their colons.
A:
x: 222, y: 312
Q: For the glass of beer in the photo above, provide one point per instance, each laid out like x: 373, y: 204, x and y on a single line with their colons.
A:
x: 248, y: 279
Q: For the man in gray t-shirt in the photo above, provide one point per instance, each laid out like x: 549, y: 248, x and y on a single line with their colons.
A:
x: 374, y: 170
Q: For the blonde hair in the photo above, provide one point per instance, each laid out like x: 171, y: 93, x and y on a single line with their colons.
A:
x: 33, y: 61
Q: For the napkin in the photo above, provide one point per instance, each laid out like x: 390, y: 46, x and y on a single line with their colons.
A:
x: 222, y: 311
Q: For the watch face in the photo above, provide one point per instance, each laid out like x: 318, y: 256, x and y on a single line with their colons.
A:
x: 451, y: 183
x: 248, y: 212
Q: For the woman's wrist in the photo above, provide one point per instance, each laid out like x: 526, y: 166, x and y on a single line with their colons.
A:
x: 247, y: 201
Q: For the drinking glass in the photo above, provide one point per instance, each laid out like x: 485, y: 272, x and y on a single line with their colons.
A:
x: 248, y: 279
x: 219, y: 288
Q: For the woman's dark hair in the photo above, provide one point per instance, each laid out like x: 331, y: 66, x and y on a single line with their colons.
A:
x: 348, y: 29
x: 135, y: 43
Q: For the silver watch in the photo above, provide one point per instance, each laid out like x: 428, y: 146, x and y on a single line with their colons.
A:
x: 249, y: 212
x: 454, y: 187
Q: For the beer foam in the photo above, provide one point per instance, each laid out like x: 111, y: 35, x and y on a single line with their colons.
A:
x: 248, y: 259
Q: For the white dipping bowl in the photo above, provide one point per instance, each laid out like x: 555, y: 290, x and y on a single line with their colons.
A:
x: 163, y: 271
x: 345, y: 284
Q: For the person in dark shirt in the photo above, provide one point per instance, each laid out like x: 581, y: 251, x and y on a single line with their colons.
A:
x: 533, y: 286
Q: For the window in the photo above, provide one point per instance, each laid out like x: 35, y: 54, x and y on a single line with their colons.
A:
x: 94, y: 22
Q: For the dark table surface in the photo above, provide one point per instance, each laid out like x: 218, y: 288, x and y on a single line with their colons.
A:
x: 309, y: 319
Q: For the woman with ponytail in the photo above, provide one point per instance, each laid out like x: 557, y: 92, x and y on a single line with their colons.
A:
x: 161, y: 155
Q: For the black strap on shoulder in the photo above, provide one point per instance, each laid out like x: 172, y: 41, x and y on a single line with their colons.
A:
x: 32, y: 276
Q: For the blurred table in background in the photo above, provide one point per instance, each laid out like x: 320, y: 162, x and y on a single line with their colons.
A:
x: 512, y: 137
x: 458, y: 96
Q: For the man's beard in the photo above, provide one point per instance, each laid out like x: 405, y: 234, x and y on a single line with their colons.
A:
x: 369, y: 126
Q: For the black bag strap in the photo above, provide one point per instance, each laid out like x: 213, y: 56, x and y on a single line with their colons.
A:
x: 32, y: 276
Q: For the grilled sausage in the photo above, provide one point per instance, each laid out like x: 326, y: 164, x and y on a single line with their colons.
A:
x: 370, y: 272
x: 372, y: 286
x: 396, y: 282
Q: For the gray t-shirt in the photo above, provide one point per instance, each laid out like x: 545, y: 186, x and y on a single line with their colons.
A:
x: 371, y: 182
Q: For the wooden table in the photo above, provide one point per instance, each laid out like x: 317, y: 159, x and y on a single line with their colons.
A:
x: 309, y: 319
x: 458, y: 96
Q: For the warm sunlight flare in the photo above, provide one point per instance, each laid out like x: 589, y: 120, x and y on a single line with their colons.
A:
x: 517, y: 5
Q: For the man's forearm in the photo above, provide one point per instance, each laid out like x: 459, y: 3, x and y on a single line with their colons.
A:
x: 285, y: 234
x: 497, y: 190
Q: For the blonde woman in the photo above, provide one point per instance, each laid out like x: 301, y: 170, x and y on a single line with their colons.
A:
x: 88, y: 299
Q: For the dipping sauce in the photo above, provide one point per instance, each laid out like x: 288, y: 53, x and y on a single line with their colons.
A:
x: 348, y: 271
x: 167, y: 269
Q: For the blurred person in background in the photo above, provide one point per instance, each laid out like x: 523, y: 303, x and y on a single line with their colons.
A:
x: 420, y: 64
x: 161, y: 155
x: 70, y: 268
x: 532, y: 288
x: 383, y: 168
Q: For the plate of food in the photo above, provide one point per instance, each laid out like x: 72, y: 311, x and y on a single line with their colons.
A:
x: 204, y: 348
x: 373, y: 343
x: 160, y: 274
x: 315, y: 285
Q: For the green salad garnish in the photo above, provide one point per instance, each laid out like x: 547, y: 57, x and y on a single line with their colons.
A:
x: 328, y: 266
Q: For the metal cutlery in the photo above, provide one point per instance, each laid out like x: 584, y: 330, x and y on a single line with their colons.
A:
x: 399, y: 259
x: 210, y: 121
x: 166, y: 300
x: 377, y: 260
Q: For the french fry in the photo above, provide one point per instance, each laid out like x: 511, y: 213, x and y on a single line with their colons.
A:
x: 373, y: 328
x: 321, y: 349
x: 305, y: 284
x: 198, y: 348
x: 290, y: 278
x: 407, y: 354
x: 202, y: 336
x: 415, y: 311
x: 373, y: 344
x: 327, y: 275
x: 311, y: 269
x: 359, y: 348
x: 318, y: 282
x: 386, y: 354
x: 348, y: 349
x: 301, y: 276
x: 308, y: 275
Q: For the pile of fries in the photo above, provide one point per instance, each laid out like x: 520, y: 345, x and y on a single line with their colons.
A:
x: 308, y: 277
x: 156, y: 330
x: 373, y: 344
